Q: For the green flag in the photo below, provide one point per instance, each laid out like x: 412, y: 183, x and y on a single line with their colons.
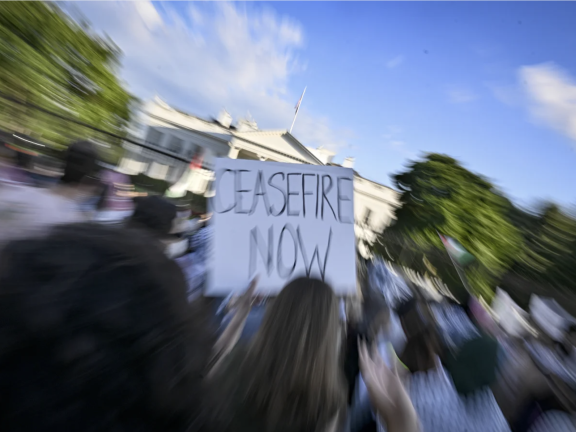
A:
x: 456, y: 251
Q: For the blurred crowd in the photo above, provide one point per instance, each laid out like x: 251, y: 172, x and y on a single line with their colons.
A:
x: 103, y: 327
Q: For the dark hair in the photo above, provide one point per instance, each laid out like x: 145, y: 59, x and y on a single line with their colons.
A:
x: 290, y: 379
x: 422, y: 341
x: 23, y: 159
x: 96, y: 334
x: 81, y: 161
x: 153, y: 213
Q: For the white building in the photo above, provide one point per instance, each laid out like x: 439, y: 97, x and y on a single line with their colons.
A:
x: 182, y: 137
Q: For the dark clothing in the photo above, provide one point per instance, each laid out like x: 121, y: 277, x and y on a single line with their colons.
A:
x: 418, y: 356
x: 351, y: 361
x: 154, y: 213
x: 474, y: 365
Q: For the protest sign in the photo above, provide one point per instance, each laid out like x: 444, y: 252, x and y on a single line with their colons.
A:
x: 281, y: 221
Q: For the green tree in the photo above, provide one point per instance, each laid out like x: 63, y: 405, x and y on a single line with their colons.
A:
x: 48, y: 60
x: 438, y: 195
x: 550, y: 248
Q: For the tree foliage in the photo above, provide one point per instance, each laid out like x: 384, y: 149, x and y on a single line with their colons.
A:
x: 549, y: 254
x: 48, y: 60
x: 438, y: 195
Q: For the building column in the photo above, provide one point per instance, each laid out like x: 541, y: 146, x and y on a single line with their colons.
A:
x: 233, y: 153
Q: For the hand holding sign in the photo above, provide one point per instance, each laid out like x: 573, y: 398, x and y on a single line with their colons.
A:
x: 233, y: 330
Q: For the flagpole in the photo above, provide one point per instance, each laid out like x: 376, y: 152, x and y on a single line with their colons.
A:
x: 298, y: 109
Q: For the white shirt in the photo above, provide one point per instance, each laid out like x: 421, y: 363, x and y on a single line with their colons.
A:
x: 28, y: 211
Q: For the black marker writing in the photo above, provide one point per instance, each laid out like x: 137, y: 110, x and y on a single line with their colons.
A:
x: 324, y: 192
x: 285, y: 272
x: 281, y: 191
x: 316, y: 254
x: 291, y: 193
x: 285, y: 269
x: 280, y: 194
x: 260, y: 190
x: 342, y: 198
x: 257, y: 244
x: 217, y: 183
x: 304, y: 193
x: 239, y: 191
x: 317, y: 193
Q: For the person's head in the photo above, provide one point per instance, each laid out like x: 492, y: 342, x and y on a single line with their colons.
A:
x: 154, y: 214
x: 422, y: 344
x: 23, y: 160
x: 96, y: 333
x: 80, y: 164
x: 306, y: 314
x: 291, y: 376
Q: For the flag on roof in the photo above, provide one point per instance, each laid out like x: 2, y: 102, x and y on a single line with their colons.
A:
x: 456, y: 251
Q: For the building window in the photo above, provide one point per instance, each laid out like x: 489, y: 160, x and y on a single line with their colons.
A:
x: 154, y: 136
x: 367, y: 216
x: 175, y: 145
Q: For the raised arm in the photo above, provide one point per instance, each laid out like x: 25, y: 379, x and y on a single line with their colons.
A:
x: 387, y: 394
x: 233, y: 330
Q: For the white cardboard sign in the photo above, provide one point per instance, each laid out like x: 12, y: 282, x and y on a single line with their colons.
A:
x: 281, y: 221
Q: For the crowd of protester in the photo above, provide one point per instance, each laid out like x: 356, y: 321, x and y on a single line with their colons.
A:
x: 105, y: 328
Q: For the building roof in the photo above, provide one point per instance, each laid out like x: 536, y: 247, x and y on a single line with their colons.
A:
x: 280, y: 141
x: 193, y: 122
x: 357, y: 174
x: 276, y: 141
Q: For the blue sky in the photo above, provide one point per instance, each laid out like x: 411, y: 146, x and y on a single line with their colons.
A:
x: 491, y: 84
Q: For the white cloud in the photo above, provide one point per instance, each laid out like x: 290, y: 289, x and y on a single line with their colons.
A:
x: 552, y: 96
x: 212, y: 56
x: 149, y: 14
x: 395, y: 62
x: 460, y: 95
